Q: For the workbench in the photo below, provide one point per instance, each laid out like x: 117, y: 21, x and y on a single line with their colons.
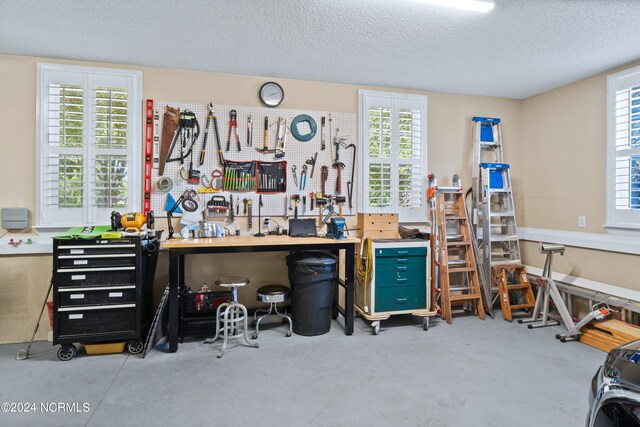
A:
x: 178, y: 248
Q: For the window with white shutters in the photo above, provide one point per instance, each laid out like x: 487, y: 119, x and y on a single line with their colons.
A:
x: 89, y: 144
x: 393, y: 154
x: 623, y: 163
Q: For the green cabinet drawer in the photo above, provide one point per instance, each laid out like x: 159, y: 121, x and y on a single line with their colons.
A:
x: 414, y: 266
x: 400, y: 278
x: 381, y: 262
x: 401, y: 298
x: 399, y: 252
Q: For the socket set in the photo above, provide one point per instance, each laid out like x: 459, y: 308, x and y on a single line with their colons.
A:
x: 272, y: 177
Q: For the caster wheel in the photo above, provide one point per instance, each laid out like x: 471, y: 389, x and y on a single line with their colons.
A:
x: 219, y: 355
x: 530, y: 326
x: 520, y: 321
x: 254, y: 336
x: 425, y: 324
x: 558, y: 336
x: 376, y: 328
x: 135, y: 347
x: 66, y: 352
x: 287, y: 334
x: 563, y: 339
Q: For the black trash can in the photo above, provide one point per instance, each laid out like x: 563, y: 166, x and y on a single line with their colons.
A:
x: 311, y: 276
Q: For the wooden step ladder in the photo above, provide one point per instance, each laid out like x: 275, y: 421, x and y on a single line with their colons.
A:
x: 518, y: 289
x: 456, y: 256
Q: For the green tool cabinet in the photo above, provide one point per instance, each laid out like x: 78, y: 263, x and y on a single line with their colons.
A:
x: 400, y: 281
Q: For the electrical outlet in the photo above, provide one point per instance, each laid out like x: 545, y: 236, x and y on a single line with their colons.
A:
x: 582, y: 221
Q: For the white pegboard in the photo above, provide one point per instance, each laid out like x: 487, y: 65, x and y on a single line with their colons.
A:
x: 296, y: 154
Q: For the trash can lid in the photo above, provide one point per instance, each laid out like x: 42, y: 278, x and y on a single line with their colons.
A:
x: 311, y: 258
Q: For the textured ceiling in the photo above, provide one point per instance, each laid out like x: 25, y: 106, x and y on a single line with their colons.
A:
x: 520, y: 48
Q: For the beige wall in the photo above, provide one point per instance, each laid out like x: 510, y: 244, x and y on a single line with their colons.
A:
x: 554, y: 141
x: 21, y: 291
x: 563, y: 149
x: 449, y: 125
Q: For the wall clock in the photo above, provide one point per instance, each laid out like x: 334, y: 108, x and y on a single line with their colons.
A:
x: 271, y: 94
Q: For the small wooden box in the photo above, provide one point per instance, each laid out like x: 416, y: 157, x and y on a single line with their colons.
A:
x: 378, y: 226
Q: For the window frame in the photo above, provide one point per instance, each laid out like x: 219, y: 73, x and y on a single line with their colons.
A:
x: 405, y: 215
x: 618, y: 221
x: 88, y: 75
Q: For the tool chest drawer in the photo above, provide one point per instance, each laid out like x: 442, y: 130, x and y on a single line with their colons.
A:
x: 400, y: 298
x: 401, y: 252
x: 387, y: 279
x: 95, y: 276
x: 410, y: 262
x: 88, y: 261
x: 93, y: 320
x: 95, y: 247
x: 69, y: 297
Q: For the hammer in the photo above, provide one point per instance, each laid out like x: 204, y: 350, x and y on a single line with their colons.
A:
x: 339, y: 200
x: 339, y: 166
x: 265, y: 144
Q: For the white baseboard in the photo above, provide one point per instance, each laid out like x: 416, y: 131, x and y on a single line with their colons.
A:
x: 602, y: 242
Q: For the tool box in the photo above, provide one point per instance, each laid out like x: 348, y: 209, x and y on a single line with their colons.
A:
x: 400, y: 281
x: 102, y: 291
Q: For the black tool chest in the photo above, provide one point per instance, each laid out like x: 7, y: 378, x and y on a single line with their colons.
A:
x: 101, y: 292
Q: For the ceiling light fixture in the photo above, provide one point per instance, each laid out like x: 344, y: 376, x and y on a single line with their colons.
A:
x: 473, y: 5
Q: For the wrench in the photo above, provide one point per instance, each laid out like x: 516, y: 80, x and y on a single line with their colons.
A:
x: 286, y: 204
x: 295, y: 177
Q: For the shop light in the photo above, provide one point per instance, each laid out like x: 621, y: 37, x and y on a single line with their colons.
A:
x: 472, y: 5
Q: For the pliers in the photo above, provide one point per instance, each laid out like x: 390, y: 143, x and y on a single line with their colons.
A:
x: 303, y: 178
x: 233, y: 129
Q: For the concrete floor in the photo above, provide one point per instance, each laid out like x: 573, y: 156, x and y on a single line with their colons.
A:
x: 471, y: 373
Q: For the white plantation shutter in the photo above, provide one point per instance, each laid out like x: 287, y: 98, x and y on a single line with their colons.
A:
x: 623, y: 200
x: 89, y: 140
x: 393, y: 154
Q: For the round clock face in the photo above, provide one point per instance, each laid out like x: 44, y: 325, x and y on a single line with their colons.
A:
x: 271, y: 94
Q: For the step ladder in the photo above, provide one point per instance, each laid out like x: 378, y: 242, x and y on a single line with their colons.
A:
x: 457, y: 269
x: 514, y: 289
x: 493, y: 208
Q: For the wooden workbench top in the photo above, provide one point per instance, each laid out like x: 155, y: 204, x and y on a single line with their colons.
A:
x: 180, y: 243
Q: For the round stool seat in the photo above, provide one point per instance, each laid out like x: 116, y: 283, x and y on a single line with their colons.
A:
x: 232, y: 281
x: 273, y: 293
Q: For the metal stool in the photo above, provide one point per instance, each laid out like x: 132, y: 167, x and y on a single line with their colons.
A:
x: 272, y: 294
x: 234, y: 313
